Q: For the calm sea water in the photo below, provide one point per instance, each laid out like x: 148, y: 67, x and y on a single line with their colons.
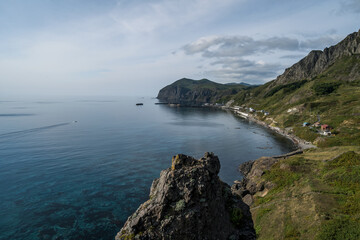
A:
x: 61, y: 179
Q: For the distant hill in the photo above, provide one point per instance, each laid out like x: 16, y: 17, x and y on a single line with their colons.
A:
x: 197, y: 92
x: 242, y: 83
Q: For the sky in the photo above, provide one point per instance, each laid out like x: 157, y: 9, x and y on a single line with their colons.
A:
x: 136, y: 47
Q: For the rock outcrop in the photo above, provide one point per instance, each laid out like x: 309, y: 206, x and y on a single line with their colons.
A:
x: 318, y: 61
x: 189, y: 201
x: 190, y: 92
x: 252, y: 182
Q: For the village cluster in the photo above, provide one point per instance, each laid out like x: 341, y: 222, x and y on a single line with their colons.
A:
x: 322, y: 129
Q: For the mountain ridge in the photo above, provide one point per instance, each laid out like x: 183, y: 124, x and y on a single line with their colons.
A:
x: 317, y: 61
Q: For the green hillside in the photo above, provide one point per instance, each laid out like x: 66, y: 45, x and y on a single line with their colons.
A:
x: 190, y: 92
x: 314, y: 195
x: 332, y: 96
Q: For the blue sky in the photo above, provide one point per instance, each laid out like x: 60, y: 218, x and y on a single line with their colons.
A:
x: 116, y: 47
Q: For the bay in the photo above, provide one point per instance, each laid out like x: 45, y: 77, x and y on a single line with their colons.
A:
x: 76, y: 168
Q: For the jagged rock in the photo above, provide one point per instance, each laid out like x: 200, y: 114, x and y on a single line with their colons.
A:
x: 248, y: 199
x: 189, y: 201
x: 246, y: 167
x: 252, y: 182
x: 318, y: 61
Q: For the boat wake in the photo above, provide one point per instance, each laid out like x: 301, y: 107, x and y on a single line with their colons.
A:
x: 32, y: 130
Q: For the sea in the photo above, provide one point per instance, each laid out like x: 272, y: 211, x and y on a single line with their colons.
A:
x: 77, y: 167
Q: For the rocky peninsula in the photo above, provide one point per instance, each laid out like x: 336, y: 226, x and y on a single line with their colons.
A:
x: 189, y: 201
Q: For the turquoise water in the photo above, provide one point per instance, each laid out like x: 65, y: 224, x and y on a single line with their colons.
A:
x: 77, y: 168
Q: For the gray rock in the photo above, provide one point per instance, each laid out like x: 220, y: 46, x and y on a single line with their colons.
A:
x: 318, y: 61
x: 248, y: 199
x: 189, y: 201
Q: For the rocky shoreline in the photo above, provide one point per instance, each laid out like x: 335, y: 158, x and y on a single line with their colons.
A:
x: 252, y: 184
x: 189, y: 201
x: 300, y: 143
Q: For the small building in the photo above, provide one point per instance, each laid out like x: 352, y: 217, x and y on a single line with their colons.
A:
x: 305, y: 124
x: 325, y: 133
x: 252, y: 110
x: 325, y: 127
x: 317, y: 124
x: 266, y: 113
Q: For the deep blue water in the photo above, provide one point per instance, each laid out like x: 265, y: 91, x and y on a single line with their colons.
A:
x: 61, y: 179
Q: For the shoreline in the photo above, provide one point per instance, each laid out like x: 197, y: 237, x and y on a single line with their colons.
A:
x: 301, y: 144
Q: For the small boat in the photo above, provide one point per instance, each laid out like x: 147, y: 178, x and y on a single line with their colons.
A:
x: 139, y: 104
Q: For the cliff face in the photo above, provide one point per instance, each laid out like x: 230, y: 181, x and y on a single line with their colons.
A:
x: 197, y: 92
x: 189, y: 201
x: 318, y: 61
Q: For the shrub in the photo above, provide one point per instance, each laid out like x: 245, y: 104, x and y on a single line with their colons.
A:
x: 287, y: 88
x: 236, y: 216
x: 325, y: 88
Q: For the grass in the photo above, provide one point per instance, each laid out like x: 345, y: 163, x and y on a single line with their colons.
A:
x: 316, y: 196
x: 343, y: 174
x: 236, y: 216
x: 333, y: 96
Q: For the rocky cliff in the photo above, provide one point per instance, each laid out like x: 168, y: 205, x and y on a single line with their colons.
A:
x: 318, y: 61
x: 197, y: 92
x: 189, y: 201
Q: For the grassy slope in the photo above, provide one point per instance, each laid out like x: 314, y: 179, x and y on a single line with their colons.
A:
x: 316, y: 196
x: 339, y: 109
x: 220, y: 93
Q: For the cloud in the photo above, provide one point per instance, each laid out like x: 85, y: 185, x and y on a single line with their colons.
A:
x: 215, y: 46
x: 292, y: 56
x: 234, y: 69
x: 319, y: 42
x: 350, y: 6
x: 242, y: 57
x: 147, y: 16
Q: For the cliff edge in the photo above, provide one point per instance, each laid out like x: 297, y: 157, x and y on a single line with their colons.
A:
x: 318, y: 61
x: 190, y: 92
x: 189, y: 201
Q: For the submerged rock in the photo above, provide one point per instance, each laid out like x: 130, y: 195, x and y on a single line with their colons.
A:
x: 189, y: 201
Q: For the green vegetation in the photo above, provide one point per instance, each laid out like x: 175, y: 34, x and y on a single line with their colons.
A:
x: 316, y: 195
x: 324, y: 88
x: 236, y: 216
x: 180, y: 205
x: 125, y: 236
x: 205, y: 83
x: 343, y: 174
x: 287, y: 88
x: 190, y: 91
x: 333, y: 96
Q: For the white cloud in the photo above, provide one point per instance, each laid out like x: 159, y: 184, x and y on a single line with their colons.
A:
x: 350, y: 6
x: 132, y: 43
x: 231, y: 55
